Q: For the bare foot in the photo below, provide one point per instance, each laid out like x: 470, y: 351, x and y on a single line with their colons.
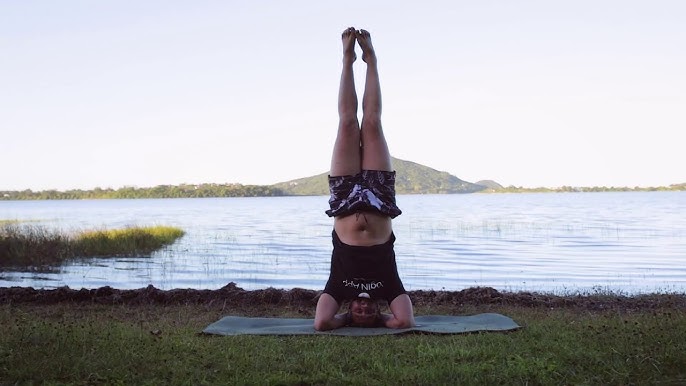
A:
x: 365, y: 41
x: 348, y: 38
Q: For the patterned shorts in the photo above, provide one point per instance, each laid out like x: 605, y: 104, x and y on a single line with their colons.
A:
x: 369, y: 190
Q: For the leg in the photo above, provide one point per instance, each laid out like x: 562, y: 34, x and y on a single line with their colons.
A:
x: 375, y: 154
x: 346, y: 151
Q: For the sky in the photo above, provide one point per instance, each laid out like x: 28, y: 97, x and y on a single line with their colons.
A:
x: 526, y: 93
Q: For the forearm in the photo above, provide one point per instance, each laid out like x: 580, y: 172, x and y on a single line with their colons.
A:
x: 390, y: 321
x: 337, y: 321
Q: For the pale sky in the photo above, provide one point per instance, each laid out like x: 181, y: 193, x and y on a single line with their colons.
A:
x: 526, y: 93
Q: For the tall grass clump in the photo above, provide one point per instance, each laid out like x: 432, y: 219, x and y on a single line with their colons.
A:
x: 32, y: 246
x: 128, y: 241
x: 36, y: 246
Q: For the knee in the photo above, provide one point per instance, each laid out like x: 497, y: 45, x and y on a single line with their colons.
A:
x: 371, y: 122
x: 348, y: 122
x: 371, y: 129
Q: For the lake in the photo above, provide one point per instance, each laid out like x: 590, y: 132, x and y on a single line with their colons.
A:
x: 628, y: 242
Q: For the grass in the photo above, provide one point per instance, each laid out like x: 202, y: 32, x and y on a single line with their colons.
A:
x: 128, y: 241
x: 99, y: 344
x: 36, y: 246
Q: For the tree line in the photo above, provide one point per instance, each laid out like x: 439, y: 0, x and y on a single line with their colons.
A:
x: 563, y: 189
x: 239, y: 190
x: 160, y: 191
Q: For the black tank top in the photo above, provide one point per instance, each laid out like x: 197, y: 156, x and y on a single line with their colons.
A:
x: 357, y: 269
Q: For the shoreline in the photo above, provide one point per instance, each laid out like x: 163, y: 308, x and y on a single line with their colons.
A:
x: 232, y: 296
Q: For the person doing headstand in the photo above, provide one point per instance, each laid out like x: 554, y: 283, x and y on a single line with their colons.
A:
x: 362, y: 203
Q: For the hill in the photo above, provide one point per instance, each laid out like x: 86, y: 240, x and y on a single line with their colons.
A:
x: 411, y: 178
x: 490, y: 184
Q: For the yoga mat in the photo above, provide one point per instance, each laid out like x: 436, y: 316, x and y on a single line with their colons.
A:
x: 435, y: 324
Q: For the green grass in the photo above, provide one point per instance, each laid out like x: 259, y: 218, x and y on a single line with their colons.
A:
x: 95, y: 344
x: 36, y: 246
x: 128, y: 241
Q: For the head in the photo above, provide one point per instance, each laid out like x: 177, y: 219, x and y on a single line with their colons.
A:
x: 364, y: 312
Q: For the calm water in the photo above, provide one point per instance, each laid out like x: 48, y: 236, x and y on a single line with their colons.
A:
x: 629, y: 242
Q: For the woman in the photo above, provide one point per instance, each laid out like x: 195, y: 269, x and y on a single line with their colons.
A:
x: 362, y: 203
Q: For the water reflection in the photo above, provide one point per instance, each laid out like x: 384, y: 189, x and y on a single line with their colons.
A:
x: 630, y: 242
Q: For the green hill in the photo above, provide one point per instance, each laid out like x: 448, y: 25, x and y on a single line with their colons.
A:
x: 490, y: 184
x: 411, y: 178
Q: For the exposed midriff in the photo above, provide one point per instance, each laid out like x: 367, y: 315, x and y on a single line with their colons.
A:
x: 363, y: 228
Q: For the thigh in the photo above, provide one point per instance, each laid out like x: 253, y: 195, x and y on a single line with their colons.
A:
x: 345, y: 159
x: 375, y: 153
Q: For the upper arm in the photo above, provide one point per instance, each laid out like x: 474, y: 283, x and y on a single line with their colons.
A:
x: 325, y: 315
x: 403, y: 313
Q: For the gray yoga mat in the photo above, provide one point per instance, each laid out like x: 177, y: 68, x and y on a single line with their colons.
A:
x: 435, y: 324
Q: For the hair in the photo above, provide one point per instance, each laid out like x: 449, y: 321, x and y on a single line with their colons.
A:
x: 378, y: 320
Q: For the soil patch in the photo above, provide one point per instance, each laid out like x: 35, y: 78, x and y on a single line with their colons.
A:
x: 232, y: 296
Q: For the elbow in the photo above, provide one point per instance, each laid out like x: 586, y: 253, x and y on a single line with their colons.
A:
x: 401, y: 323
x: 320, y: 325
x: 406, y: 324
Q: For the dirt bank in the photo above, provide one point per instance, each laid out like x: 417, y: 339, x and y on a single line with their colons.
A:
x: 234, y: 297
